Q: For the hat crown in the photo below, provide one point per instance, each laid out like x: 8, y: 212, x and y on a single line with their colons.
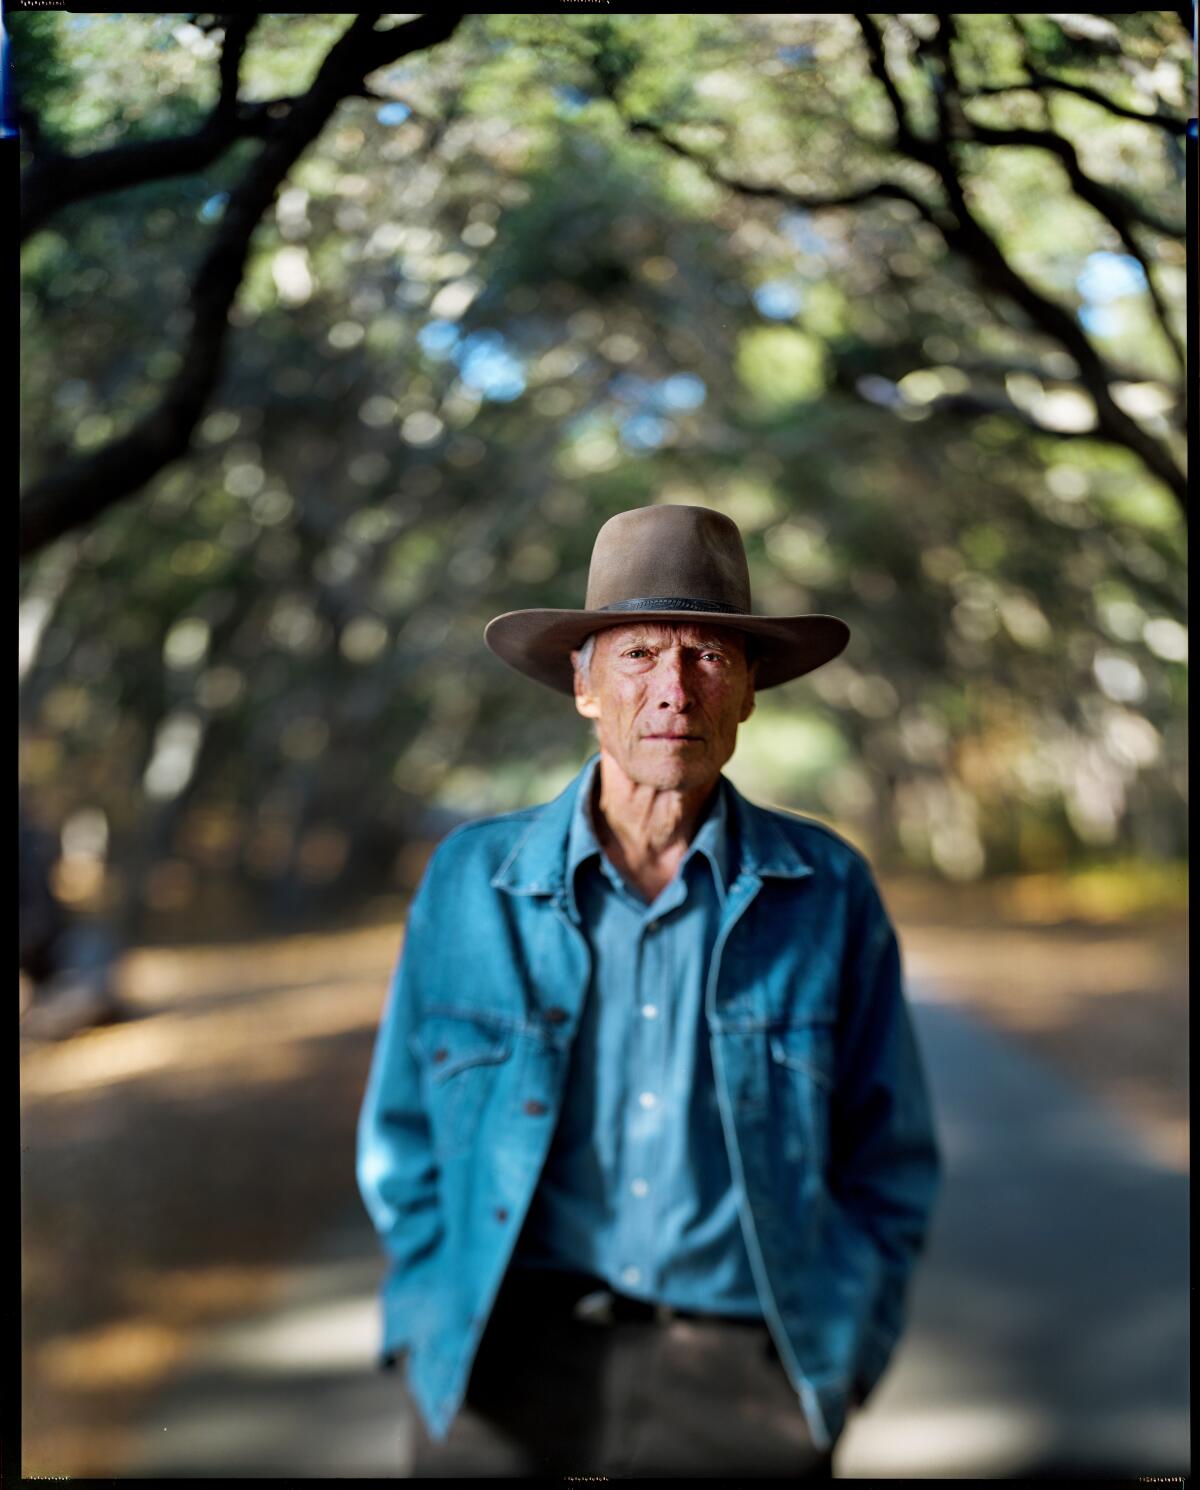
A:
x: 669, y: 552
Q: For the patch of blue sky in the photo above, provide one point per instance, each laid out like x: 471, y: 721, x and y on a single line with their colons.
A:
x: 571, y: 99
x: 393, y: 113
x: 798, y: 228
x: 678, y: 393
x: 1099, y: 320
x: 486, y: 364
x: 213, y: 207
x: 778, y: 300
x: 631, y: 389
x: 1108, y: 276
x: 438, y: 338
x: 644, y: 431
x: 798, y: 54
x: 681, y: 392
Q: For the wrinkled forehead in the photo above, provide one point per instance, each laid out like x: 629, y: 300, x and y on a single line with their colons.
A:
x: 673, y: 634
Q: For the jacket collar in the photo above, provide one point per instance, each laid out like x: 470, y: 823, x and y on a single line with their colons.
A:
x: 537, y: 863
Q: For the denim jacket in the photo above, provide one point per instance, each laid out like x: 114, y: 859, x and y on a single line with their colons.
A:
x: 823, y: 1101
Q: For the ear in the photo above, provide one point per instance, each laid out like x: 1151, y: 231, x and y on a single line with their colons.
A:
x: 748, y: 699
x: 585, y: 702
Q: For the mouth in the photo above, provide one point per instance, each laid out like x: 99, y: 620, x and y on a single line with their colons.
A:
x: 681, y: 739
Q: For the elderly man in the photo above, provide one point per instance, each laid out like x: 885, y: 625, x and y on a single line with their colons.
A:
x: 646, y: 1136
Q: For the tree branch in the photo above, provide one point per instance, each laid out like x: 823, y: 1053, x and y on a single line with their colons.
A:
x: 237, y: 33
x: 991, y: 267
x: 911, y: 143
x: 1042, y: 80
x: 807, y: 202
x: 54, y: 181
x: 966, y: 236
x: 82, y: 490
x: 981, y: 406
x: 1118, y: 208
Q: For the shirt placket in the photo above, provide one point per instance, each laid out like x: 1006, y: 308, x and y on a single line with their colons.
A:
x: 654, y: 995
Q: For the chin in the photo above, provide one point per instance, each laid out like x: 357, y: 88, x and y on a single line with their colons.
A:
x: 675, y: 775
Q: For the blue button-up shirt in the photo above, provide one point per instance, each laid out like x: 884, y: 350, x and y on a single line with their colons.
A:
x: 637, y: 1188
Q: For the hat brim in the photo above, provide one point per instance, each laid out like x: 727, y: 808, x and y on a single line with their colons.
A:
x: 538, y: 643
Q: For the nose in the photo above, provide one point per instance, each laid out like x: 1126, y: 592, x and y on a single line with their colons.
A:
x: 671, y: 682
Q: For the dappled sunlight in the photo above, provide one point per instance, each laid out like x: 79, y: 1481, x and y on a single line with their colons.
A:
x: 339, y: 1334
x: 219, y: 1026
x: 189, y: 1295
x: 225, y: 1047
x: 130, y: 1352
x: 174, y: 1163
x: 983, y: 1439
x: 1043, y: 981
x: 154, y: 976
x: 1107, y: 1006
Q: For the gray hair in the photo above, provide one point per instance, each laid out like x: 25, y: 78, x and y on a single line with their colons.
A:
x: 583, y: 662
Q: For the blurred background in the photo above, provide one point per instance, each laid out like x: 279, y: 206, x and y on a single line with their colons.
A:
x: 341, y: 335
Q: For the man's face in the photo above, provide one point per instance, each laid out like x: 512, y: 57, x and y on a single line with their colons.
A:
x: 667, y: 700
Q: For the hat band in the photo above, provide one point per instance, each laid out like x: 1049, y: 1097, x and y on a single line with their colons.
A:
x: 674, y: 602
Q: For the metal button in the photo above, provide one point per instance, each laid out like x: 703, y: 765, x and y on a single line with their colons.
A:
x: 653, y: 925
x: 440, y: 1055
x: 535, y: 1108
x: 639, y: 1187
x: 501, y: 1213
x: 648, y: 1100
x: 649, y: 1011
x: 555, y: 1016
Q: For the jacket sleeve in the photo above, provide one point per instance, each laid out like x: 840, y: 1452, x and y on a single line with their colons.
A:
x: 396, y: 1168
x: 886, y: 1167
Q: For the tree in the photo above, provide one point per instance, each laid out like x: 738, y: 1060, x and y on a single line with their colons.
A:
x: 557, y: 266
x: 75, y: 492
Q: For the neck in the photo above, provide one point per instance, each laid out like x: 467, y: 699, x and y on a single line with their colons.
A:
x: 648, y: 827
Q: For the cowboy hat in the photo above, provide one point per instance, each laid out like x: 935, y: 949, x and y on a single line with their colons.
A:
x: 665, y: 563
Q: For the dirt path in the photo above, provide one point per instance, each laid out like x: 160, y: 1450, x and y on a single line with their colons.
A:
x: 1106, y: 1004
x: 170, y: 1163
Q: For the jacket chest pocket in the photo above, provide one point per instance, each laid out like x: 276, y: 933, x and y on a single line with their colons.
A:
x: 801, y: 1075
x: 462, y: 1058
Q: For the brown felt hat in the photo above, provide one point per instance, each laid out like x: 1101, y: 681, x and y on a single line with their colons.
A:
x: 668, y: 563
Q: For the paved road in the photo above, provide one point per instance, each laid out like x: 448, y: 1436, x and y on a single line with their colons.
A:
x: 1048, y: 1329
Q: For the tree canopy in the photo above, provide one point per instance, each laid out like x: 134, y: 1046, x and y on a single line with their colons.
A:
x: 342, y: 334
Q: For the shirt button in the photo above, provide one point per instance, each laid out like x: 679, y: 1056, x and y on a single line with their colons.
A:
x: 639, y: 1187
x: 648, y: 1100
x: 653, y: 925
x: 649, y: 1011
x: 631, y: 1275
x: 535, y: 1108
x: 555, y: 1016
x: 501, y: 1213
x: 439, y: 1056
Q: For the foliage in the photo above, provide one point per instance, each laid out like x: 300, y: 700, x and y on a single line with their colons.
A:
x: 554, y: 267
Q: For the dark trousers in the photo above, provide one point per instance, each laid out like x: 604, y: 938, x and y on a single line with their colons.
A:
x: 572, y: 1381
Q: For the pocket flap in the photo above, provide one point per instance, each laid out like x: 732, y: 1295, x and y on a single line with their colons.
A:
x: 447, y: 1044
x: 807, y: 1048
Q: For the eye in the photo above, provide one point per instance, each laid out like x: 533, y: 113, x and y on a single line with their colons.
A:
x: 634, y: 650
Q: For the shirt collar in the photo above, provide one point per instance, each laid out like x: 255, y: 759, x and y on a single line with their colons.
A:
x: 763, y: 838
x: 712, y: 838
